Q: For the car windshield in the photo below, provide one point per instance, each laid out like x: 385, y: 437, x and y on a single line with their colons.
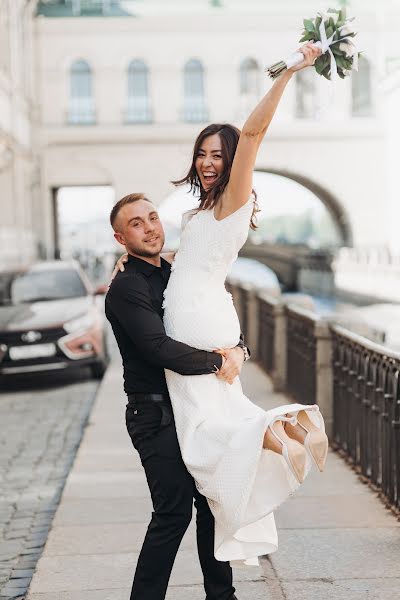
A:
x: 35, y: 286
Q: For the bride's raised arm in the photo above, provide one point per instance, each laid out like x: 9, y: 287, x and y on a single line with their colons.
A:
x: 240, y: 183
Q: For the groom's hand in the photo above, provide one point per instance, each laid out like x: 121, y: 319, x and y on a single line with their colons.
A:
x: 232, y: 366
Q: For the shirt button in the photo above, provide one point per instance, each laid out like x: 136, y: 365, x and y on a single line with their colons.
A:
x: 135, y: 412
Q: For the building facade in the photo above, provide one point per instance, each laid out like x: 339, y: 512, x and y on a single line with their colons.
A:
x: 20, y: 189
x: 123, y: 89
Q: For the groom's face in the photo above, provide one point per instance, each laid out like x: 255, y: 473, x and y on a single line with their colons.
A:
x: 139, y: 229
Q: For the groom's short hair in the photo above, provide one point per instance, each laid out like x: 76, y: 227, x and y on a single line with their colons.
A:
x: 125, y: 200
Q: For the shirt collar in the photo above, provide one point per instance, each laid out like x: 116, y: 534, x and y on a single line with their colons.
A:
x: 147, y: 268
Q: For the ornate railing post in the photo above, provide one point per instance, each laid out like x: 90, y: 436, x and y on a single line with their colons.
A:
x: 252, y: 321
x: 324, y: 373
x: 279, y: 375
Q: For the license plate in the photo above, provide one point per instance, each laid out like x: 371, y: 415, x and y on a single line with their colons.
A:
x: 36, y: 351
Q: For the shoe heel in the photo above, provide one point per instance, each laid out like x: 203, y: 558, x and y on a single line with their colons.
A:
x: 316, y: 441
x: 295, y: 459
x: 317, y: 447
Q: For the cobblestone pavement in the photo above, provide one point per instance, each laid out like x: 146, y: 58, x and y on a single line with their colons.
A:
x: 41, y: 428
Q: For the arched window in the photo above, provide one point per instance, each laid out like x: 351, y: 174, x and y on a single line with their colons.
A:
x: 249, y: 87
x: 361, y: 89
x: 139, y: 109
x: 305, y: 94
x: 81, y: 103
x: 194, y: 108
x: 249, y: 77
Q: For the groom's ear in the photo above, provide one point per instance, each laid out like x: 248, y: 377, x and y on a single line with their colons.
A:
x: 119, y: 237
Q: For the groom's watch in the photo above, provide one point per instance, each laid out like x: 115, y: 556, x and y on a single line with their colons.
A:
x: 246, y: 353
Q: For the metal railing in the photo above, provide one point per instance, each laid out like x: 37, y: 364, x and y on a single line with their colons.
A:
x: 266, y: 337
x: 355, y: 382
x: 366, y: 401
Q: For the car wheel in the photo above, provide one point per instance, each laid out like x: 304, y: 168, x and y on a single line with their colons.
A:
x: 99, y: 368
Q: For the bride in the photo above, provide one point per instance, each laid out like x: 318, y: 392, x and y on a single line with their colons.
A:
x: 244, y: 460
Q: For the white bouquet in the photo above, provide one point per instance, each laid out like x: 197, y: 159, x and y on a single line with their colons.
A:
x: 333, y: 32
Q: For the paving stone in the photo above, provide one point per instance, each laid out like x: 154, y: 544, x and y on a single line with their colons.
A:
x: 341, y: 553
x: 25, y: 563
x: 335, y: 511
x: 19, y: 582
x: 86, y: 511
x: 22, y: 573
x: 344, y: 589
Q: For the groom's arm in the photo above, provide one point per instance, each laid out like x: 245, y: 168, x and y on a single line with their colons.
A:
x: 130, y: 303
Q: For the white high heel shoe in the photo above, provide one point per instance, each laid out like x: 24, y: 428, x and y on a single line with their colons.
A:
x: 316, y: 440
x: 293, y: 453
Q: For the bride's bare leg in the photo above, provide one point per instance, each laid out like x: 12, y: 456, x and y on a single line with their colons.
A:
x: 297, y: 432
x: 277, y: 440
x: 270, y: 441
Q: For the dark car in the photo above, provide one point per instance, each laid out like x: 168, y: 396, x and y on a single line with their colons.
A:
x: 50, y: 319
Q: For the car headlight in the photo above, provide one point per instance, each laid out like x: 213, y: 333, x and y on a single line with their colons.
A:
x: 80, y: 324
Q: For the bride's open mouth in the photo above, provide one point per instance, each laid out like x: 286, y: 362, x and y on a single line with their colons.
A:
x: 209, y: 177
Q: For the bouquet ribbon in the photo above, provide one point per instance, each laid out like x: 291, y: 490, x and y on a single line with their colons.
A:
x: 326, y: 46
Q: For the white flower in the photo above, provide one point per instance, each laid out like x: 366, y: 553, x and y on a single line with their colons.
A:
x: 347, y: 72
x: 348, y: 48
x: 346, y: 29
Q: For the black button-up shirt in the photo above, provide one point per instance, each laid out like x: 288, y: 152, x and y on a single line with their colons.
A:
x: 134, y: 309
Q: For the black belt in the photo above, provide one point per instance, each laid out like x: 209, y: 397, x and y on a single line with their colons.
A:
x: 163, y: 400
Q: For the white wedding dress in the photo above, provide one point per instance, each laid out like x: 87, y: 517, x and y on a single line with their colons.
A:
x: 220, y: 431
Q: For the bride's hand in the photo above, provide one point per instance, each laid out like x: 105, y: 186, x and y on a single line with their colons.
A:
x: 232, y: 365
x: 120, y: 265
x: 311, y: 53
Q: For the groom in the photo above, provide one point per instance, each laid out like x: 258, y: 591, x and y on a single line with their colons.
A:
x: 134, y: 309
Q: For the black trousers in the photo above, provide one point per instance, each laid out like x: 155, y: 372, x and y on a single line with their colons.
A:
x: 151, y: 427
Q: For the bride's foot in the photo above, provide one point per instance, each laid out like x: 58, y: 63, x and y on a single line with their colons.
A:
x: 313, y: 437
x: 277, y: 440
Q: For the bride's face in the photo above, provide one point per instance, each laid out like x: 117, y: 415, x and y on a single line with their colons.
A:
x: 209, y: 164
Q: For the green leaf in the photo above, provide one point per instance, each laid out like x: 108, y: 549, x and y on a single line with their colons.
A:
x: 333, y: 11
x: 342, y: 14
x: 309, y: 25
x: 322, y: 63
x: 319, y: 67
x: 324, y: 59
x: 326, y: 73
x: 307, y: 37
x: 336, y: 51
x: 329, y: 31
x: 341, y: 74
x: 340, y: 61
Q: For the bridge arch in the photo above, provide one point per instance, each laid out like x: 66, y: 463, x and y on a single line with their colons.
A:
x: 329, y: 200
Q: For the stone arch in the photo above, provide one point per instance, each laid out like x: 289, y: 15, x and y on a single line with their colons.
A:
x: 332, y: 204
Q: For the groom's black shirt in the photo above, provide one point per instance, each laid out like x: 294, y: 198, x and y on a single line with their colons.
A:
x: 134, y: 309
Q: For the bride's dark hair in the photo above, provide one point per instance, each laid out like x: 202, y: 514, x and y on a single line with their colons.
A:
x: 229, y: 136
